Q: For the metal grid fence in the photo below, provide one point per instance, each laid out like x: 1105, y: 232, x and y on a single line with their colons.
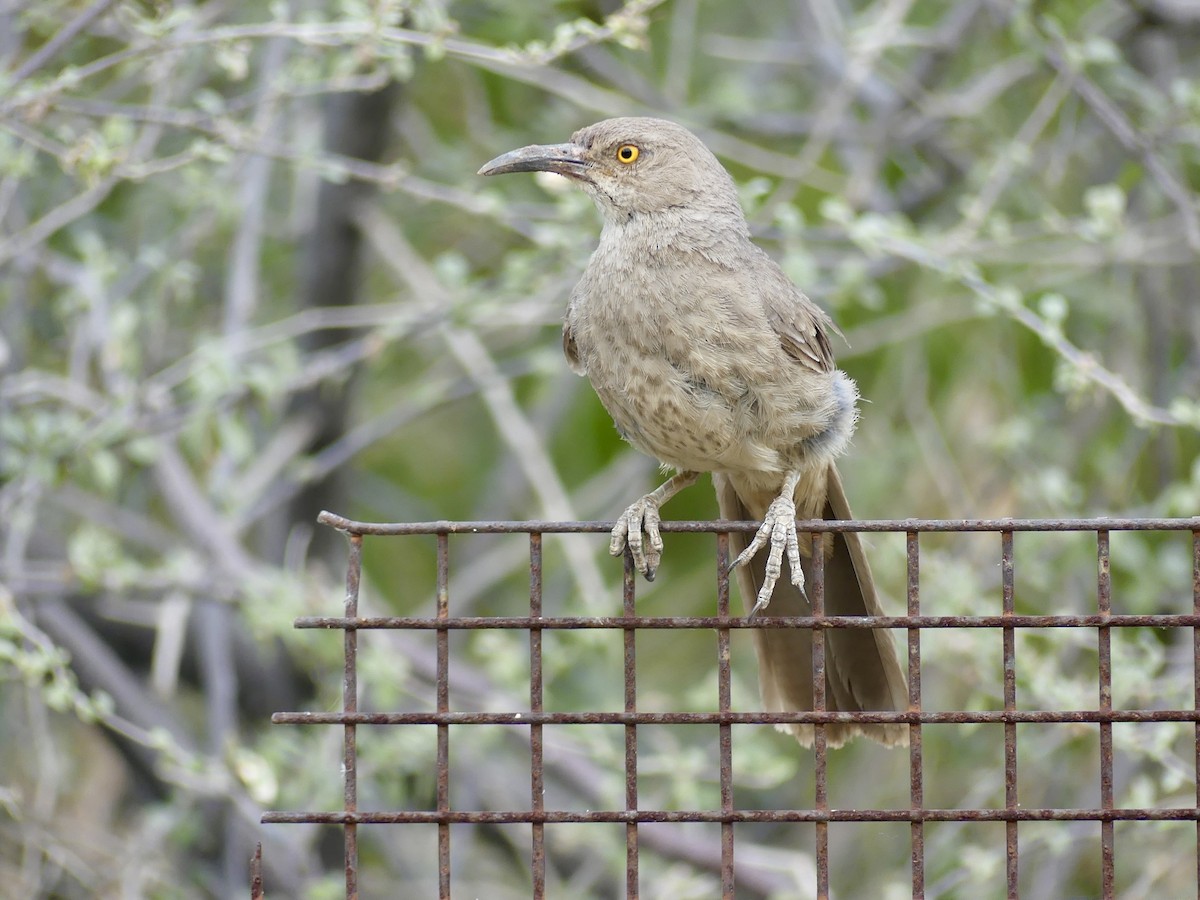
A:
x: 821, y: 814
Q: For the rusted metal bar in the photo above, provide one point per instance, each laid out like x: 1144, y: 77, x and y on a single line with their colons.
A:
x: 628, y: 601
x: 349, y: 709
x: 816, y: 596
x: 715, y: 526
x: 641, y: 816
x: 925, y: 717
x: 575, y: 623
x: 536, y: 762
x: 725, y: 704
x: 916, y: 778
x: 443, y: 706
x: 256, y: 874
x: 1011, y: 852
x: 1104, y: 645
x: 1196, y: 681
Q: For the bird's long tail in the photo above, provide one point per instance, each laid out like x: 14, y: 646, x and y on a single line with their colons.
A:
x: 862, y: 671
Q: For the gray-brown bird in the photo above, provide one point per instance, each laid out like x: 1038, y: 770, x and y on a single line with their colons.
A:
x: 710, y: 360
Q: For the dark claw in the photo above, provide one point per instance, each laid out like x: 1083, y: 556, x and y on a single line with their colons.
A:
x: 650, y: 573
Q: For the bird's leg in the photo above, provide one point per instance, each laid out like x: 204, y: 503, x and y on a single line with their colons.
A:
x: 642, y: 517
x: 779, y: 530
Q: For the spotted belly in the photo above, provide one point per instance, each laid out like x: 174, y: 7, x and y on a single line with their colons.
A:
x: 682, y: 428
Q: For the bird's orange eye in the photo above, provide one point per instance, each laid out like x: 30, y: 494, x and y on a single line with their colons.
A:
x: 627, y: 153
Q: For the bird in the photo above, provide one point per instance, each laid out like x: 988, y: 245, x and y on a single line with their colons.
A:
x: 709, y: 359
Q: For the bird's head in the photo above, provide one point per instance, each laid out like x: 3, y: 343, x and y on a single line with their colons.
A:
x: 632, y: 166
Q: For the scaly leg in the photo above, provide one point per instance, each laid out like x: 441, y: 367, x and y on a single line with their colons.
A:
x: 642, y: 517
x: 779, y: 530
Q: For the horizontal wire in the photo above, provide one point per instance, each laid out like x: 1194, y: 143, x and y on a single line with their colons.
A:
x: 925, y: 717
x: 453, y: 623
x: 718, y: 526
x: 550, y: 817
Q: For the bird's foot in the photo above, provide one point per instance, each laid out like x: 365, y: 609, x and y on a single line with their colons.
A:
x: 637, y: 528
x: 779, y: 530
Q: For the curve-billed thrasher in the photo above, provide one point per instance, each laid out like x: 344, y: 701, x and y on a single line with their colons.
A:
x: 710, y: 360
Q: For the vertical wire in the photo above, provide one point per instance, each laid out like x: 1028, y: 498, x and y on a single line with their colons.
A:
x: 629, y: 610
x: 443, y: 705
x: 816, y: 593
x: 256, y: 874
x: 1011, y: 801
x: 724, y: 704
x: 916, y: 784
x: 536, y: 761
x: 1104, y: 642
x: 350, y: 706
x: 1196, y: 681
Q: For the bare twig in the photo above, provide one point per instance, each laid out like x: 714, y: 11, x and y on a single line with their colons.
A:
x: 1006, y: 160
x: 65, y: 35
x: 241, y: 284
x: 470, y: 352
x: 1135, y: 142
x: 30, y: 239
x: 190, y: 507
x: 863, y: 54
x: 1083, y: 363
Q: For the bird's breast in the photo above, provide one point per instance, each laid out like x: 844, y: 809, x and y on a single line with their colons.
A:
x: 669, y: 371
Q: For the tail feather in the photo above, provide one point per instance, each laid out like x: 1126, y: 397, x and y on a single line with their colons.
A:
x: 862, y: 670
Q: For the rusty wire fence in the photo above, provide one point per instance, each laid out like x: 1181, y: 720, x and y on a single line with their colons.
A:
x: 1006, y: 624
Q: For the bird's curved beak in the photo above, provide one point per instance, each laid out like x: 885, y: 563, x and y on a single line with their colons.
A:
x: 564, y: 159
